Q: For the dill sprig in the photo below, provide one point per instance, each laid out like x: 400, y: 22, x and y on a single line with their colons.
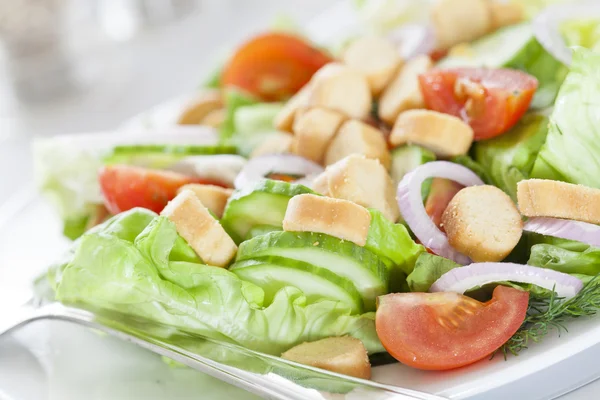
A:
x: 550, y: 312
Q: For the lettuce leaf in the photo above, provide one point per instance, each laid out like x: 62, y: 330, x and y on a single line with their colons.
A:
x: 584, y: 33
x: 509, y: 158
x: 428, y: 269
x: 140, y: 266
x: 571, y: 152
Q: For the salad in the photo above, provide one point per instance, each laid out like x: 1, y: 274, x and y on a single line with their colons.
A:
x: 429, y: 189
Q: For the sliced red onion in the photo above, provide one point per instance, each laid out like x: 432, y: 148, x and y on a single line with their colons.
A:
x: 461, y: 279
x: 288, y: 164
x: 565, y: 229
x: 546, y: 26
x: 412, y: 209
x: 222, y: 168
x: 413, y: 40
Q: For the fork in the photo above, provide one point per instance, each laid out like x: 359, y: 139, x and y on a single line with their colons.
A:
x: 277, y: 379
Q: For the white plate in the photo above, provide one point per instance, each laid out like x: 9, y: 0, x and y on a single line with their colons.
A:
x: 117, y: 370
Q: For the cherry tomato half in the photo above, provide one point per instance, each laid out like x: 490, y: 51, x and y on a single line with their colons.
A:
x: 440, y: 331
x: 274, y: 66
x: 490, y: 100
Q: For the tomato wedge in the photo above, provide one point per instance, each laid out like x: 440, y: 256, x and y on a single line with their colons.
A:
x: 125, y: 187
x: 490, y: 100
x: 441, y: 193
x: 274, y: 66
x: 440, y: 331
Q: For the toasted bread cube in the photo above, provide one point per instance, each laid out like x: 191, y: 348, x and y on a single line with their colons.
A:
x: 212, y: 197
x: 458, y: 21
x: 202, y: 232
x: 340, y: 218
x: 321, y: 184
x: 404, y: 93
x: 363, y: 181
x: 483, y: 223
x: 344, y: 355
x: 547, y: 198
x: 357, y: 137
x: 199, y: 107
x: 504, y: 13
x: 313, y: 130
x: 214, y: 118
x: 374, y: 56
x: 341, y: 88
x: 279, y: 143
x: 445, y: 135
x: 285, y: 118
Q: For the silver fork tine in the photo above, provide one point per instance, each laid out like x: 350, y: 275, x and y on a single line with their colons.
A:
x: 273, y: 384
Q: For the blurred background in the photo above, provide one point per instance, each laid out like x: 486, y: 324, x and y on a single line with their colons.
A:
x: 87, y: 65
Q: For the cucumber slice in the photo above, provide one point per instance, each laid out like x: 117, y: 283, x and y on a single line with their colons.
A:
x: 261, y: 230
x: 264, y: 203
x: 275, y: 273
x: 160, y: 156
x: 515, y: 47
x: 344, y: 259
x: 406, y: 158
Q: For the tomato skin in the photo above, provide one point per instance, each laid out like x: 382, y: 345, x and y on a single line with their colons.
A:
x: 491, y: 101
x: 441, y: 193
x: 125, y: 187
x: 441, y: 331
x: 273, y: 66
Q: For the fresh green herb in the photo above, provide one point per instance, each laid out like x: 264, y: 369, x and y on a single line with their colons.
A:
x: 548, y: 312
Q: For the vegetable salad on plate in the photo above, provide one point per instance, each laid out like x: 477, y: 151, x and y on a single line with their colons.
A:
x: 429, y: 189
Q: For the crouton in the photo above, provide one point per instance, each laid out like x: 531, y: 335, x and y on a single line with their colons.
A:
x: 340, y: 218
x: 363, y: 181
x: 321, y: 184
x: 215, y: 118
x: 341, y: 88
x: 444, y: 134
x: 547, y: 198
x: 483, y: 223
x: 212, y: 197
x: 279, y: 143
x: 199, y: 107
x: 285, y: 118
x: 504, y: 13
x: 404, y: 93
x: 344, y: 355
x: 357, y: 137
x: 376, y: 57
x: 313, y: 130
x: 202, y: 232
x: 458, y: 21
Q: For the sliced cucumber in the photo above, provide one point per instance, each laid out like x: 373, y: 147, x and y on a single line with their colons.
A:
x: 261, y: 230
x: 274, y: 273
x: 406, y: 158
x: 345, y: 259
x: 160, y: 156
x: 264, y: 203
x: 515, y: 47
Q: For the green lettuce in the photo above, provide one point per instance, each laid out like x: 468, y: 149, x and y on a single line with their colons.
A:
x: 571, y: 152
x: 140, y: 266
x: 509, y: 158
x: 428, y: 269
x: 392, y: 243
x: 584, y: 33
x: 568, y: 256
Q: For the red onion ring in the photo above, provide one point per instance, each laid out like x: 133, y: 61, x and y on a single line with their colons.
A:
x: 259, y: 167
x: 413, y: 40
x: 565, y: 229
x: 478, y: 274
x: 546, y: 26
x: 412, y: 209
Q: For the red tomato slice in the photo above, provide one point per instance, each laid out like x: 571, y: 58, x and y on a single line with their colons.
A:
x: 441, y: 193
x: 490, y: 100
x: 125, y: 187
x: 274, y: 66
x: 440, y: 331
